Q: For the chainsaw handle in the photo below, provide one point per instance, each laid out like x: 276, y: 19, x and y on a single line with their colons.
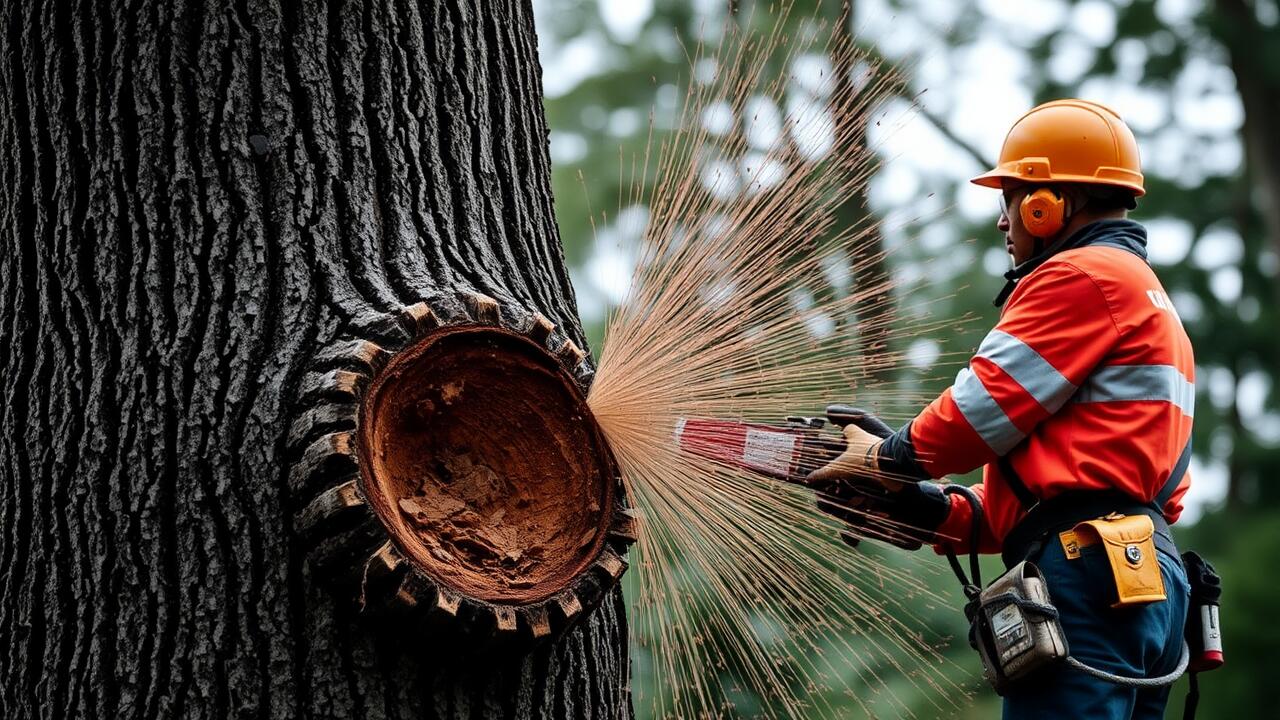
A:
x: 843, y: 415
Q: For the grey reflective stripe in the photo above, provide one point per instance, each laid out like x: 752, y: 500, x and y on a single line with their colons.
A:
x: 982, y: 412
x: 1040, y: 379
x: 1175, y: 478
x: 1118, y: 383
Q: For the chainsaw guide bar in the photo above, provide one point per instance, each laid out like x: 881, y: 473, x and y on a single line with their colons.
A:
x: 783, y: 452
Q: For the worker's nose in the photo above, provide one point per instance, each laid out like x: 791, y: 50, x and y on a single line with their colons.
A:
x: 1002, y: 223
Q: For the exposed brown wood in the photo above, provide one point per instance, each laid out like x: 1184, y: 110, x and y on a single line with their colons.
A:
x: 478, y: 453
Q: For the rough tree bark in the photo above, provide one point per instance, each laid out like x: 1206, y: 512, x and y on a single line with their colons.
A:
x: 195, y: 198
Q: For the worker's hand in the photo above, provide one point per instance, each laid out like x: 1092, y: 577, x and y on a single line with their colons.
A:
x: 907, y: 517
x: 859, y: 460
x: 872, y: 504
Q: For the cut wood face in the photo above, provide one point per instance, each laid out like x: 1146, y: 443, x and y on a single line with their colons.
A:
x: 481, y: 458
x: 450, y: 479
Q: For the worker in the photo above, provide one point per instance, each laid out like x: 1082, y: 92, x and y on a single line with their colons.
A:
x: 1077, y: 405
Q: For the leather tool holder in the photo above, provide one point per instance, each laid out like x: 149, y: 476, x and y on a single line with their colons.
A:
x: 1129, y: 543
x: 1014, y: 626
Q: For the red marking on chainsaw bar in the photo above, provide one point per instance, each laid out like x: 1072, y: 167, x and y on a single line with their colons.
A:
x: 766, y: 449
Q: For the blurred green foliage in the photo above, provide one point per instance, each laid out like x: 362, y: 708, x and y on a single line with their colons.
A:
x: 1213, y: 205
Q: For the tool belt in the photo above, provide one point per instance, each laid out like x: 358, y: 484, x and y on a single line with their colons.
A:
x: 1014, y: 625
x: 1046, y: 520
x: 1067, y: 509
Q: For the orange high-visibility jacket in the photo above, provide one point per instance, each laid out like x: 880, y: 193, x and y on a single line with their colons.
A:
x: 1086, y: 383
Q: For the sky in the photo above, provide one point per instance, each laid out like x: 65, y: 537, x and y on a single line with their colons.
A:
x: 978, y: 91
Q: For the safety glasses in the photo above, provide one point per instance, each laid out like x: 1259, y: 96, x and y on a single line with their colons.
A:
x: 1008, y: 198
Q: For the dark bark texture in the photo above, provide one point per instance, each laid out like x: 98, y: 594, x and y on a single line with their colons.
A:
x: 196, y: 198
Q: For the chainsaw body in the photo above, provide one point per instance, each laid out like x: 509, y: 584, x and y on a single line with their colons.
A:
x: 872, y: 506
x: 786, y: 452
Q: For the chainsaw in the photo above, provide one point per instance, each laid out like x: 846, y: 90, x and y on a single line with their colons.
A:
x: 788, y: 452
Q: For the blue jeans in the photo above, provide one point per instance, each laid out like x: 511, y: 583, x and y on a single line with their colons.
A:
x: 1143, y: 641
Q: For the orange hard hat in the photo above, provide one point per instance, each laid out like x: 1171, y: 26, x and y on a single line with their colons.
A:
x: 1069, y: 141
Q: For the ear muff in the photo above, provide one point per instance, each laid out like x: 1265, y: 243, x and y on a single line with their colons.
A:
x: 1043, y: 212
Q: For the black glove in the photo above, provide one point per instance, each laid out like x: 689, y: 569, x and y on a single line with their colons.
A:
x: 849, y: 415
x: 907, y: 516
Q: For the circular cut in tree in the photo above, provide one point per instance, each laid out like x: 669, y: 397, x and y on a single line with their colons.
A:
x: 461, y: 480
x: 484, y: 466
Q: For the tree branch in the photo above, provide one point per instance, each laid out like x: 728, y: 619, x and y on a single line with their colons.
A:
x: 955, y: 139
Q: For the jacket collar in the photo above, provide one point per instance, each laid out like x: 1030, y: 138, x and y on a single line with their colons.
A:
x: 1123, y: 234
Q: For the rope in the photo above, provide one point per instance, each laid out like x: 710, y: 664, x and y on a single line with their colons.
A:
x: 1136, y: 682
x: 1011, y: 598
x: 1051, y: 612
x: 973, y: 583
x: 973, y: 588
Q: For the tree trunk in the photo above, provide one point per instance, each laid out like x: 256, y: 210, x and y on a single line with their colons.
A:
x: 197, y: 199
x: 869, y: 257
x: 1250, y: 49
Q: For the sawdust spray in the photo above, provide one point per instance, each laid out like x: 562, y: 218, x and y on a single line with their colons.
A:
x: 743, y: 306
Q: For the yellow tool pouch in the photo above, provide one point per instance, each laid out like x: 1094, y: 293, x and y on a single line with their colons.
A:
x: 1129, y: 543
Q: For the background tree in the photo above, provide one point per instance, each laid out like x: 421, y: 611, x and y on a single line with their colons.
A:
x: 197, y: 199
